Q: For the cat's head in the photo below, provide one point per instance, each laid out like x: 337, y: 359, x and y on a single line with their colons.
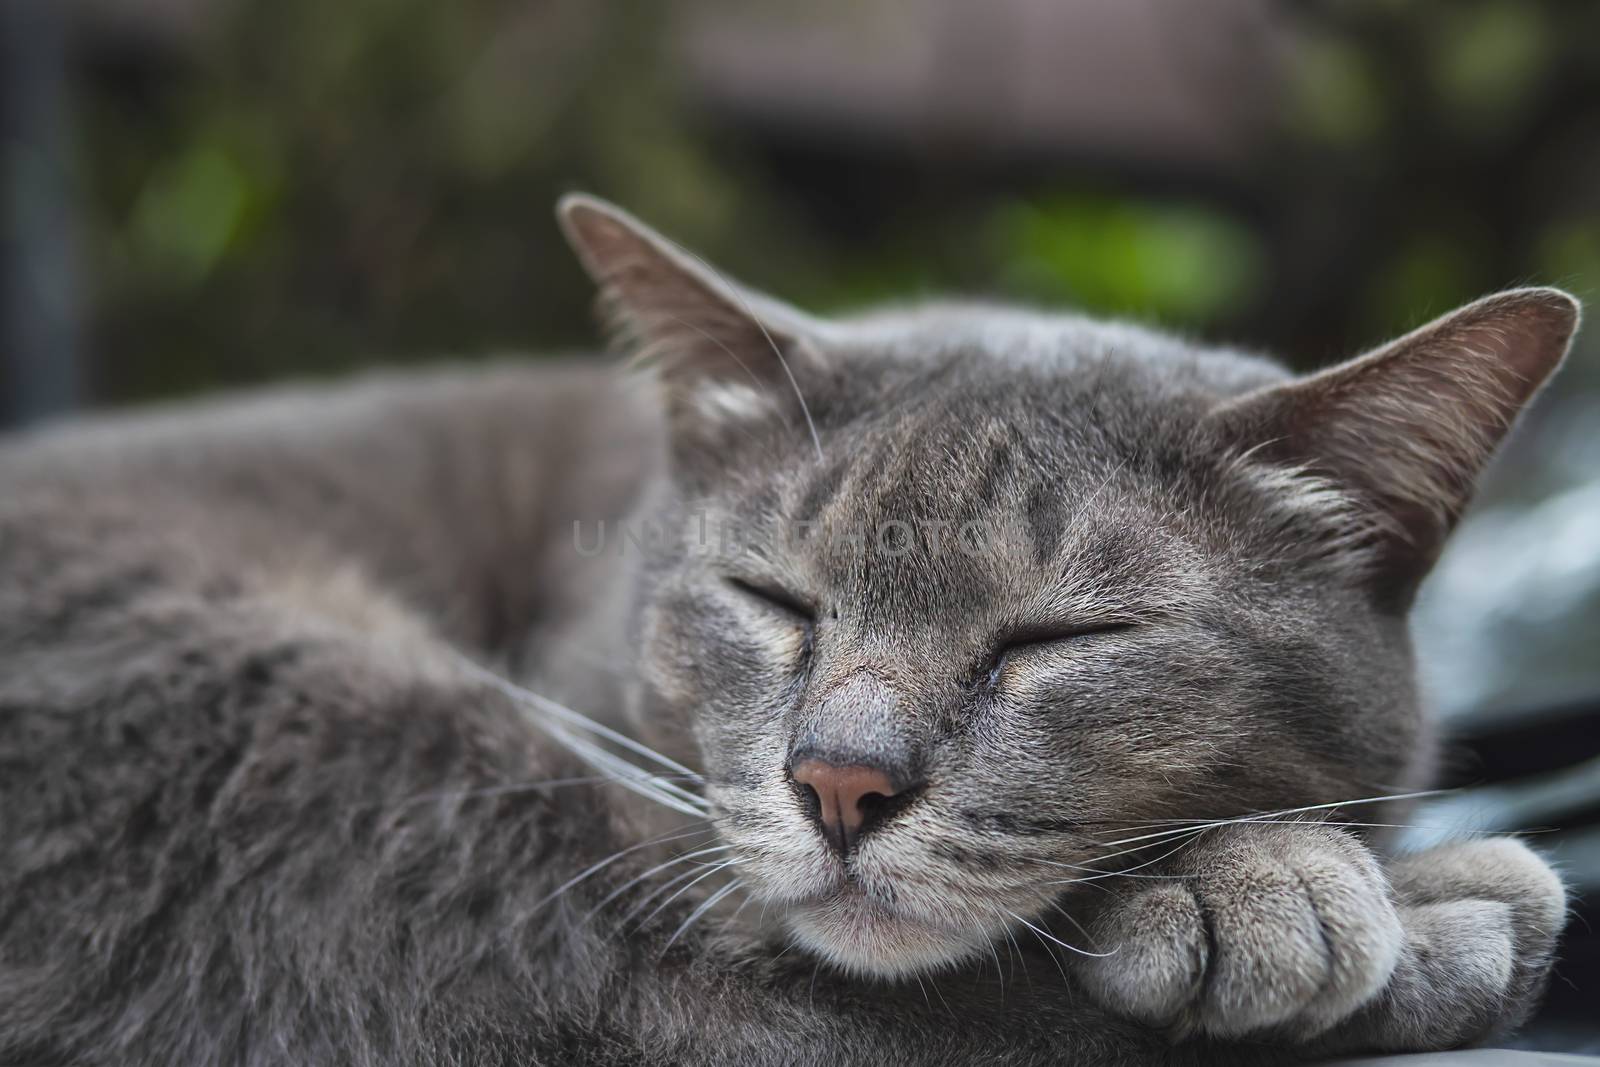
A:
x: 955, y: 605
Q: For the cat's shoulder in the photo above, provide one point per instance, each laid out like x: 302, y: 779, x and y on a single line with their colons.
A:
x: 516, y: 394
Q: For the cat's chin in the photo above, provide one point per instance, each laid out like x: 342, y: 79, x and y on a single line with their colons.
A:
x: 864, y: 938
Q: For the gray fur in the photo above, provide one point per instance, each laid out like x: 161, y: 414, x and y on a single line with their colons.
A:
x: 257, y: 811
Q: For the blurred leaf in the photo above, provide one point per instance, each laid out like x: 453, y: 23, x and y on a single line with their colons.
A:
x: 1174, y: 262
x: 1336, y: 98
x: 188, y: 212
x: 1486, y: 58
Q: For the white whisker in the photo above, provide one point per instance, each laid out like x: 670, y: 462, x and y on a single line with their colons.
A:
x: 704, y: 907
x: 512, y: 788
x: 644, y: 901
x: 1076, y: 925
x: 657, y: 869
x: 659, y: 908
x: 750, y: 313
x: 1266, y: 815
x: 743, y: 904
x: 1184, y: 840
x: 648, y: 784
x: 999, y: 974
x: 560, y: 711
x: 1058, y: 941
x: 596, y: 868
x: 630, y: 776
x: 1052, y: 953
x: 1015, y: 952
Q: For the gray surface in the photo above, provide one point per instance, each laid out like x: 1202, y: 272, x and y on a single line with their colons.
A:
x: 1481, y: 1057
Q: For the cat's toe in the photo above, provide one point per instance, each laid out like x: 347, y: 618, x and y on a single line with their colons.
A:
x: 1497, y: 868
x: 1157, y: 954
x: 1481, y: 920
x: 1453, y: 986
x: 1304, y: 930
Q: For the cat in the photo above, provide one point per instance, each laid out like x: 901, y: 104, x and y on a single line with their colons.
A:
x: 967, y: 684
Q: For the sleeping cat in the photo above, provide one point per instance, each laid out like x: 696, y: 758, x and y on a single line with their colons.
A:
x: 964, y: 685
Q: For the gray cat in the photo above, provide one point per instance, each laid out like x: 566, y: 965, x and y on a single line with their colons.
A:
x: 992, y: 687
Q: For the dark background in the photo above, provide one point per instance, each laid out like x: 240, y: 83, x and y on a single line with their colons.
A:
x: 201, y: 194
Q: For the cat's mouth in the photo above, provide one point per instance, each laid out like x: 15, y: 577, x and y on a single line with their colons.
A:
x: 886, y: 910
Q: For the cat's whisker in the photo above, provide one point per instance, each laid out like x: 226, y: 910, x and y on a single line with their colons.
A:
x: 657, y: 869
x: 1266, y: 815
x: 649, y: 784
x: 924, y: 989
x: 644, y: 901
x: 1058, y: 941
x: 729, y: 352
x: 1076, y: 925
x: 1051, y: 952
x: 624, y: 773
x: 596, y: 868
x: 1014, y: 950
x: 524, y: 696
x: 1311, y: 819
x: 712, y: 869
x: 632, y: 777
x: 1347, y: 825
x: 743, y: 904
x: 1184, y: 839
x: 705, y: 906
x: 1192, y: 828
x: 1096, y: 872
x: 999, y: 975
x: 1312, y: 822
x: 777, y: 350
x: 513, y: 788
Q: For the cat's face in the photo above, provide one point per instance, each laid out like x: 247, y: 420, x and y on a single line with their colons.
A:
x: 1008, y: 593
x: 1024, y: 589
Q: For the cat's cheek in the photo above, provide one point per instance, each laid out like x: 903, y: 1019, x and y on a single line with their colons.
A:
x: 705, y: 658
x: 773, y: 644
x: 667, y: 664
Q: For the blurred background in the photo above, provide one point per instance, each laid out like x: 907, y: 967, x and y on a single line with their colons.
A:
x: 207, y: 194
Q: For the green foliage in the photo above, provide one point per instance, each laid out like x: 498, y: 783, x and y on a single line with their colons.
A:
x: 1175, y: 263
x: 329, y: 184
x: 188, y: 213
x: 1488, y: 58
x: 1337, y: 99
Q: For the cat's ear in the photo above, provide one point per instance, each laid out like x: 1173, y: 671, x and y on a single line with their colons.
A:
x: 1404, y: 431
x: 675, y: 311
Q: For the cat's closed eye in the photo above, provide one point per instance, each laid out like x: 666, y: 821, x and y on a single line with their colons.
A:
x: 1028, y: 640
x: 775, y: 599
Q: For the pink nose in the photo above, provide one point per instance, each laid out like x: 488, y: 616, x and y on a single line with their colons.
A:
x: 847, y: 798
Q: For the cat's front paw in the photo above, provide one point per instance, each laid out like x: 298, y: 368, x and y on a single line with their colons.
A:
x: 1481, y: 920
x: 1294, y: 933
x: 1255, y: 928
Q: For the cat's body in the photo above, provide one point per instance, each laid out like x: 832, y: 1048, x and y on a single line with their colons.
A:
x: 250, y: 820
x: 257, y: 809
